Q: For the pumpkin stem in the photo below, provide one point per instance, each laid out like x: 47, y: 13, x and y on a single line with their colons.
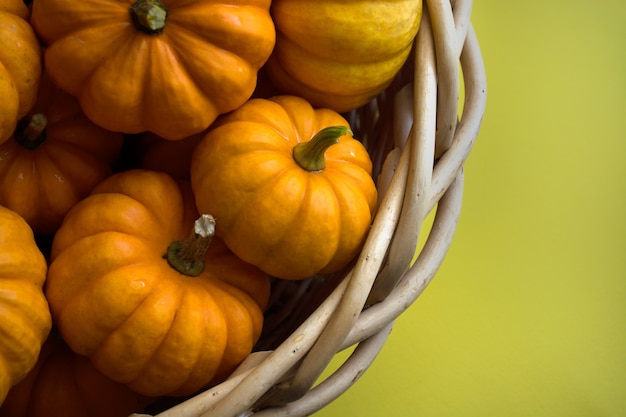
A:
x: 187, y: 256
x: 31, y: 132
x: 149, y: 16
x: 310, y: 155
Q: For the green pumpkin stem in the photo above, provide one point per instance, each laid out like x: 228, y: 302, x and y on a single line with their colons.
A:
x: 187, y: 256
x: 31, y: 132
x: 310, y: 155
x: 149, y: 16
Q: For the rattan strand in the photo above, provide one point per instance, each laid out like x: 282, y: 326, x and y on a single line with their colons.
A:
x: 447, y: 58
x: 407, y: 129
x: 417, y: 278
x: 421, y: 105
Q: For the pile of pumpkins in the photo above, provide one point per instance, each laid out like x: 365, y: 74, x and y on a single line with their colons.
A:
x: 244, y: 170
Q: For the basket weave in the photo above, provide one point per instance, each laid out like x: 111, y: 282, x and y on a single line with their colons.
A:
x: 419, y: 132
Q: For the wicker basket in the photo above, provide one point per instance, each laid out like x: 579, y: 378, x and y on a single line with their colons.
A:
x: 419, y: 132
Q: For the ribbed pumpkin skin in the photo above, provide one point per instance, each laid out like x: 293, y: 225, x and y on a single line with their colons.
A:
x: 64, y: 384
x: 43, y: 183
x: 174, y: 83
x: 117, y: 300
x: 340, y: 54
x: 20, y: 66
x: 16, y: 7
x: 26, y: 320
x: 288, y: 221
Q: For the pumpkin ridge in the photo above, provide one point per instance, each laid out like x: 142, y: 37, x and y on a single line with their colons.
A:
x: 356, y: 177
x: 48, y: 193
x: 150, y: 225
x: 117, y: 32
x: 308, y: 194
x: 163, y: 338
x: 199, y: 356
x: 20, y: 57
x: 261, y: 194
x: 123, y: 227
x: 199, y: 73
x: 241, y: 40
x: 229, y: 297
x: 271, y: 117
x: 287, y: 66
x: 191, y: 367
x: 324, y: 55
x: 79, y: 16
x: 297, y: 133
x: 70, y: 132
x: 10, y: 159
x: 350, y: 192
x: 26, y: 319
x: 137, y: 304
x: 13, y: 327
x: 19, y: 167
x: 258, y: 289
x: 59, y: 313
x: 172, y: 44
x: 317, y: 95
x: 244, y: 204
x: 172, y: 92
x: 60, y: 149
x: 61, y: 260
x: 81, y: 185
x: 394, y: 24
x: 140, y: 48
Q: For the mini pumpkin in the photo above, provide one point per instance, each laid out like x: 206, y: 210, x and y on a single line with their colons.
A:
x: 26, y: 320
x: 16, y: 7
x: 291, y: 187
x: 132, y: 286
x: 54, y: 159
x: 64, y: 384
x: 165, y: 66
x: 340, y: 54
x: 20, y: 65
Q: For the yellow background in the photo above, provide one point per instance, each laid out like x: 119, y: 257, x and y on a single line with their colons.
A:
x: 527, y: 316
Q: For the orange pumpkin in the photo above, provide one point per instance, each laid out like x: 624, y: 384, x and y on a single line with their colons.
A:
x: 20, y: 65
x: 54, y: 159
x: 26, y: 320
x: 16, y: 7
x: 64, y: 384
x: 133, y: 287
x: 169, y: 68
x: 340, y: 54
x: 292, y: 197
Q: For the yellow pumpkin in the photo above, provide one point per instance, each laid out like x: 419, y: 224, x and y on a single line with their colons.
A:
x: 20, y: 65
x: 168, y: 67
x: 340, y: 54
x: 132, y: 286
x: 25, y: 318
x: 292, y: 197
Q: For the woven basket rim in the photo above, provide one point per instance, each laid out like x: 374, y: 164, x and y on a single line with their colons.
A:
x: 427, y: 140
